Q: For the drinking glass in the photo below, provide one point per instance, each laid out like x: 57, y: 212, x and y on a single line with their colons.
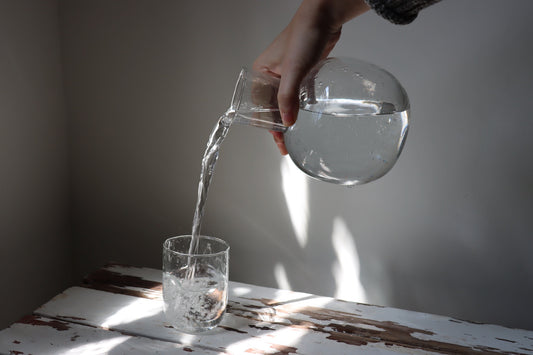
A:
x: 195, y: 284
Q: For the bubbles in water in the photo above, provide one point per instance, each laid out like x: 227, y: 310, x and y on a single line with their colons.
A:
x: 194, y: 304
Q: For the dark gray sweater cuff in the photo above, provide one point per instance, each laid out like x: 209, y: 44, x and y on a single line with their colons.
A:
x: 400, y: 12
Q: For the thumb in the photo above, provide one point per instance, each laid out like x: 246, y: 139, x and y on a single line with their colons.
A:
x: 301, y: 57
x: 288, y: 97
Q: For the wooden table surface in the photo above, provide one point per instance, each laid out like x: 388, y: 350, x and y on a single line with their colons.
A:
x: 118, y: 310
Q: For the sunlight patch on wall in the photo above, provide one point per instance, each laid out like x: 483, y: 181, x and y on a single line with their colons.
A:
x: 280, y: 274
x: 346, y: 268
x: 296, y: 192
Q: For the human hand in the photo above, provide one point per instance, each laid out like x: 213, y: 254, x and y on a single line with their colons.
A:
x: 309, y: 37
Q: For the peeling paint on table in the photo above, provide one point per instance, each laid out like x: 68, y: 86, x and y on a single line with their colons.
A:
x: 121, y: 306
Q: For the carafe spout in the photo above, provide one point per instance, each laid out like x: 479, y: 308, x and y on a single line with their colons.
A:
x: 267, y: 120
x: 254, y: 102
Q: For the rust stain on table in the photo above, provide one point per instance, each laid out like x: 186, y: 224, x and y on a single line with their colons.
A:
x: 36, y: 320
x: 283, y: 350
x: 344, y: 327
x: 354, y: 330
x: 230, y: 329
x: 115, y: 282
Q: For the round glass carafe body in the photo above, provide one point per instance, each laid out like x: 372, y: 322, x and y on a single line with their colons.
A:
x: 352, y: 123
x: 351, y: 126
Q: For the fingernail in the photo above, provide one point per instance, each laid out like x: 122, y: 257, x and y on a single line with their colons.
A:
x: 288, y: 118
x: 282, y: 149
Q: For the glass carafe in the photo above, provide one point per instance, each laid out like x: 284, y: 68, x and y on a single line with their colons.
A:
x: 352, y: 122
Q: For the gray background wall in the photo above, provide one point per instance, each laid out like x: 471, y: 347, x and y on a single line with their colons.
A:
x: 35, y: 244
x: 447, y: 231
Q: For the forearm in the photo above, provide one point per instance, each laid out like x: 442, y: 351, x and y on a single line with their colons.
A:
x: 332, y: 14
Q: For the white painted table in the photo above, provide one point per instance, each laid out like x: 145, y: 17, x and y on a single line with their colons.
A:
x: 118, y: 310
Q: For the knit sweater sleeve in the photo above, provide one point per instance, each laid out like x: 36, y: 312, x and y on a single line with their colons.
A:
x: 400, y: 12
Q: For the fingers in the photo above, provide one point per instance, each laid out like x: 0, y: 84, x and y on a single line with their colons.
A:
x: 280, y: 142
x: 310, y: 36
x: 297, y: 63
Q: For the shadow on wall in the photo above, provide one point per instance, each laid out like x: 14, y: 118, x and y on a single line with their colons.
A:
x: 346, y: 268
x: 456, y: 264
x: 448, y: 230
x: 393, y: 242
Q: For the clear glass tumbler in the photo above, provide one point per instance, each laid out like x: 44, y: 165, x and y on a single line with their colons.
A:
x: 195, y: 285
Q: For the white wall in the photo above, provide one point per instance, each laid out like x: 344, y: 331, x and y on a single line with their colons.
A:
x: 35, y: 246
x: 447, y: 231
